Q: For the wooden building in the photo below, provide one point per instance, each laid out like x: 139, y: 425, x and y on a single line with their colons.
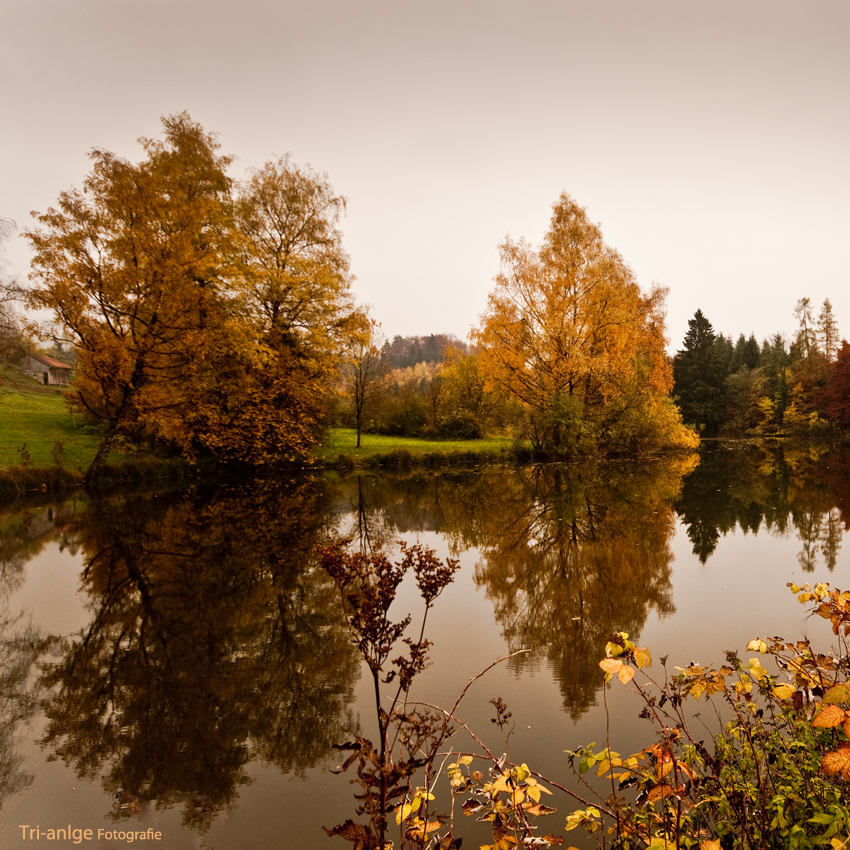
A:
x: 47, y: 370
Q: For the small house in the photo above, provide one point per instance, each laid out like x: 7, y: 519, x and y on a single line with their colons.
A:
x: 47, y: 370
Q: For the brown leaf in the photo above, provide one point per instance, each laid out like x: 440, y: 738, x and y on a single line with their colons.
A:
x: 539, y: 809
x: 471, y: 806
x: 659, y: 791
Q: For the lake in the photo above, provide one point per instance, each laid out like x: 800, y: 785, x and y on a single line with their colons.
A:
x: 178, y: 661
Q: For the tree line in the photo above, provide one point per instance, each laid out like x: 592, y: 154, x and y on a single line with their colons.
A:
x: 779, y: 386
x: 216, y: 317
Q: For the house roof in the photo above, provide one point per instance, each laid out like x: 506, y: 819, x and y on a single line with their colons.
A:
x: 50, y: 361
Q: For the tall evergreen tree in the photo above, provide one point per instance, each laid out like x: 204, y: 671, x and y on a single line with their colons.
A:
x: 698, y: 376
x: 827, y: 332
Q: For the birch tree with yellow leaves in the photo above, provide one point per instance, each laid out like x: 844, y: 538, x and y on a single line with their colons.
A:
x: 570, y: 335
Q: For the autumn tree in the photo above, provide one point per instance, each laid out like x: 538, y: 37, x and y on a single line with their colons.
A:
x: 469, y: 407
x: 834, y: 398
x: 806, y: 338
x: 569, y: 334
x: 135, y: 267
x: 365, y: 369
x: 296, y: 280
x: 207, y: 321
x: 262, y: 396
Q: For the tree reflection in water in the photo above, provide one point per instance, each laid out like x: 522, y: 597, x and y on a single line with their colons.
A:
x: 216, y: 638
x: 21, y: 645
x: 568, y: 554
x: 213, y: 637
x: 775, y: 486
x: 575, y: 555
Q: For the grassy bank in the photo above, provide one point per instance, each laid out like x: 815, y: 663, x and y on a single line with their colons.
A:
x: 37, y: 417
x: 340, y: 448
x: 43, y: 443
x: 46, y: 448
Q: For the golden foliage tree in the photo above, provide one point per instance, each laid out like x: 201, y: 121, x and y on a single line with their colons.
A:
x: 135, y: 267
x: 204, y: 318
x: 296, y: 281
x: 366, y: 371
x: 569, y: 334
x: 262, y: 397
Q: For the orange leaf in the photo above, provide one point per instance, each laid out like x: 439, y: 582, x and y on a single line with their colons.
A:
x: 829, y: 717
x: 626, y: 674
x: 611, y: 665
x: 837, y: 762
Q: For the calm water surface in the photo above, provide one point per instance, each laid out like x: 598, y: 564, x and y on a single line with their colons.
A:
x: 178, y: 661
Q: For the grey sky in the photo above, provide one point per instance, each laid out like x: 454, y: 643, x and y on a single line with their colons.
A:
x: 709, y: 139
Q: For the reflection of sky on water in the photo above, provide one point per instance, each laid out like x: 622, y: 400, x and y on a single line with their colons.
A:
x: 738, y: 593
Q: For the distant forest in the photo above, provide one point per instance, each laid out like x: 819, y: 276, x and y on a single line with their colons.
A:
x: 406, y: 351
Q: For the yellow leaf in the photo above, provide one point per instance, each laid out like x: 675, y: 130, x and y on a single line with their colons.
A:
x: 643, y: 658
x: 757, y: 644
x: 783, y: 691
x: 626, y: 674
x: 698, y: 688
x: 837, y: 693
x: 499, y: 784
x: 756, y: 670
x: 465, y: 760
x: 610, y: 666
x: 422, y: 829
x: 534, y: 793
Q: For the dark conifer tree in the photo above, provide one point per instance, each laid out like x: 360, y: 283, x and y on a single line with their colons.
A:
x: 698, y: 374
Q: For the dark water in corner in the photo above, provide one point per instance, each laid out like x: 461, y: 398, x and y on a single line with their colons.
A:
x: 176, y: 661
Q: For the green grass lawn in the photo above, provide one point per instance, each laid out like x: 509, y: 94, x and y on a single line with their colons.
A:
x: 39, y: 420
x: 344, y: 441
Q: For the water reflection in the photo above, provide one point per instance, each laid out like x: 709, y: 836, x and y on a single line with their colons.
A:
x: 213, y: 637
x: 21, y: 645
x: 776, y: 487
x: 572, y: 558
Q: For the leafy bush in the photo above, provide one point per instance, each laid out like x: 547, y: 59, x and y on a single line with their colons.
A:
x: 777, y: 777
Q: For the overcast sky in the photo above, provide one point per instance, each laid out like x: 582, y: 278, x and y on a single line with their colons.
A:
x: 710, y: 140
